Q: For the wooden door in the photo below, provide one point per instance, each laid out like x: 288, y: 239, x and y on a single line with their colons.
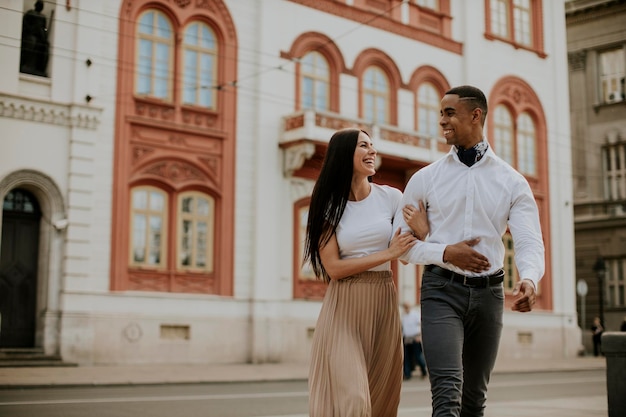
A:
x: 18, y: 269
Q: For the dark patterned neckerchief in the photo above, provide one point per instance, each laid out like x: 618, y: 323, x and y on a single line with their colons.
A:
x: 472, y: 155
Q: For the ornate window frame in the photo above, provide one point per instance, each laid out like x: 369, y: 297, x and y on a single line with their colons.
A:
x: 317, y: 42
x: 177, y: 147
x: 535, y: 22
x: 376, y: 58
x: 519, y: 97
x: 319, y: 76
x: 432, y: 76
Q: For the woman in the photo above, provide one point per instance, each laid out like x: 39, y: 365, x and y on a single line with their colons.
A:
x: 356, y: 364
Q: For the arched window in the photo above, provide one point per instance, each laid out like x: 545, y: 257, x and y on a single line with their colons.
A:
x: 516, y: 143
x: 428, y: 103
x: 315, y: 82
x: 196, y: 230
x: 503, y: 134
x: 20, y: 201
x: 518, y: 129
x: 318, y: 65
x: 429, y: 86
x: 155, y: 40
x: 375, y: 96
x: 526, y: 145
x: 199, y: 57
x: 148, y: 227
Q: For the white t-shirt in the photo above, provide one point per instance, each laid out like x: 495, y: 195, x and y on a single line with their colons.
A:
x: 366, y: 225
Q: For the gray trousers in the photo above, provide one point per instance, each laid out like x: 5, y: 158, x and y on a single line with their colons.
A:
x: 461, y: 328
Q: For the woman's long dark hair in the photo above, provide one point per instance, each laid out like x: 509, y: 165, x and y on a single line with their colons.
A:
x: 330, y: 196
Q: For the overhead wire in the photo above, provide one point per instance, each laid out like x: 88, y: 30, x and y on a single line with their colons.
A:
x: 234, y: 83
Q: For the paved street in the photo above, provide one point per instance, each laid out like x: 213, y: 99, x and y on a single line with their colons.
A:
x: 547, y: 394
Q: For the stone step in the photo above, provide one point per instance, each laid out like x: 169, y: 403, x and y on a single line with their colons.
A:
x: 14, y: 358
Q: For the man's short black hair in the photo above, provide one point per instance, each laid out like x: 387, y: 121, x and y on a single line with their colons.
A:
x: 472, y: 94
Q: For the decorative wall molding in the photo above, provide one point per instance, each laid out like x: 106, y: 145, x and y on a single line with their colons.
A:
x: 594, y: 10
x: 175, y: 171
x: 301, y: 188
x: 430, y: 27
x: 182, y: 3
x: 139, y: 152
x: 69, y: 115
x: 295, y: 155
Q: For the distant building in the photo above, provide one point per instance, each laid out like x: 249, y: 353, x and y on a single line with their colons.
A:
x: 156, y: 175
x: 596, y: 45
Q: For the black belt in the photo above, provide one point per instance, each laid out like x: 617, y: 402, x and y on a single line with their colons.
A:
x: 476, y: 282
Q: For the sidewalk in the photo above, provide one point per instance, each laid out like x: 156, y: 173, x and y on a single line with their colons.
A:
x: 171, y: 374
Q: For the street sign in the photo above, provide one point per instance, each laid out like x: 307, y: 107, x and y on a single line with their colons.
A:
x: 581, y: 287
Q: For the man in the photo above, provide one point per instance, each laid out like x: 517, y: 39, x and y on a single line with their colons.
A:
x: 471, y: 197
x: 412, y: 335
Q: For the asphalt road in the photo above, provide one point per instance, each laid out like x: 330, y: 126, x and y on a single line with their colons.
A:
x: 566, y: 394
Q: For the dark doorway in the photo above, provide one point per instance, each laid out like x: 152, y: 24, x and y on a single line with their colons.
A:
x: 18, y: 269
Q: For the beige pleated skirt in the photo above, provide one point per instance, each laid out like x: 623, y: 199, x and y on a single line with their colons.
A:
x: 356, y: 362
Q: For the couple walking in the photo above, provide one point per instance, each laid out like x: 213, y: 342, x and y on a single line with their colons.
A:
x: 451, y: 218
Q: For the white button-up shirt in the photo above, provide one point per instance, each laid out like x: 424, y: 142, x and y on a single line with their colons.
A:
x: 475, y: 202
x: 412, y: 323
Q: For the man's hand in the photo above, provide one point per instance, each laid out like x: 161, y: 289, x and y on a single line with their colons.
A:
x: 524, y: 296
x: 462, y: 255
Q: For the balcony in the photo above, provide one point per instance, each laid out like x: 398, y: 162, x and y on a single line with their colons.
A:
x: 306, y: 135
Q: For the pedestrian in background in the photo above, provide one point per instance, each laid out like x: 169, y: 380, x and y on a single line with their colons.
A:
x: 472, y: 198
x: 596, y: 336
x: 356, y: 358
x: 412, y: 335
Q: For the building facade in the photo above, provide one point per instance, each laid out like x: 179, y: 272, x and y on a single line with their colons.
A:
x: 158, y: 157
x: 596, y: 45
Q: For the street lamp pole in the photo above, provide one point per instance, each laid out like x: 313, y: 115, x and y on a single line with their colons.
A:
x: 600, y: 269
